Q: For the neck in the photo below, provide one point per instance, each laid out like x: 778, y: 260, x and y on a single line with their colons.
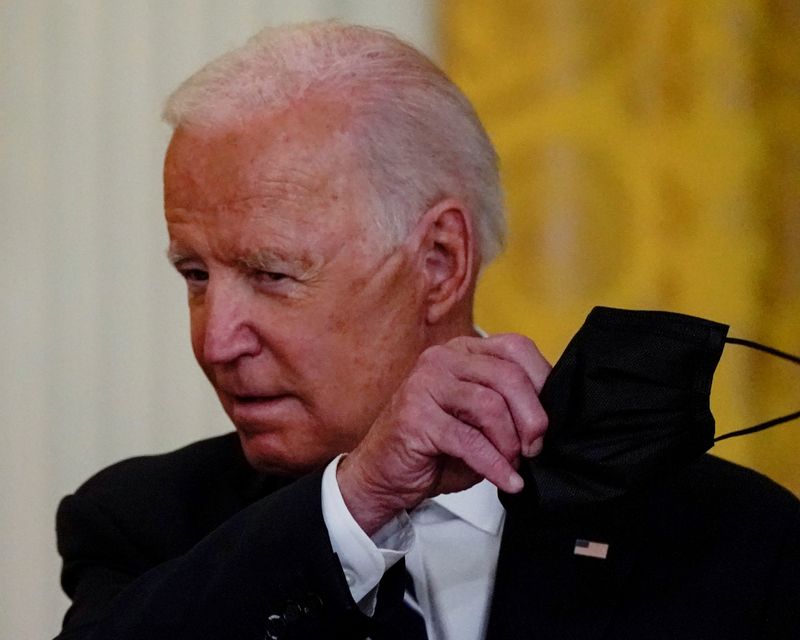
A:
x: 462, y: 325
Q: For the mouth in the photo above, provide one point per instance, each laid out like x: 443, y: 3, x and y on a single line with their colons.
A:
x: 256, y: 399
x: 255, y: 410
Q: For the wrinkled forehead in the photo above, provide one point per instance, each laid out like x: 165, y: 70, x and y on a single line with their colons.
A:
x: 305, y: 147
x: 283, y: 181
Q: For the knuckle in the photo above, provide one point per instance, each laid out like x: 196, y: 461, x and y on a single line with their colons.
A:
x: 516, y: 375
x: 540, y: 423
x: 518, y: 342
x: 421, y: 383
x: 458, y: 341
x: 408, y: 392
x: 432, y: 355
x: 535, y: 432
x: 495, y: 408
x: 416, y: 382
x: 410, y: 404
x: 474, y: 442
x: 488, y: 401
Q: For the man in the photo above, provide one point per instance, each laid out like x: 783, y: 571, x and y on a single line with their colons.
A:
x: 330, y: 198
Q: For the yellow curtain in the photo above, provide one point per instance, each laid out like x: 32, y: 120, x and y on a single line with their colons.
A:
x: 651, y: 155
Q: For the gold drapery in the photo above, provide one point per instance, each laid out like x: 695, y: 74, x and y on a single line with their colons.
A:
x: 651, y: 156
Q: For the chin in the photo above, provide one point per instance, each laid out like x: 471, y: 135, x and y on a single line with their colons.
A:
x: 267, y: 454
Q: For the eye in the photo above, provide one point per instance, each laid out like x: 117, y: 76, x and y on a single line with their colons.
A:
x: 272, y: 276
x: 194, y: 276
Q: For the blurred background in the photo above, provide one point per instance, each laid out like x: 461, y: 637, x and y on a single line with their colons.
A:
x: 651, y: 155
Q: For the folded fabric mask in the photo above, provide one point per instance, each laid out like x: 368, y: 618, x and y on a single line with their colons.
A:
x: 628, y: 401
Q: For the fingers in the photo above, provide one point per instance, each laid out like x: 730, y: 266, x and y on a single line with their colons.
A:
x: 513, y: 348
x: 468, y: 409
x: 481, y: 408
x: 470, y: 445
x: 508, y: 371
x: 517, y: 353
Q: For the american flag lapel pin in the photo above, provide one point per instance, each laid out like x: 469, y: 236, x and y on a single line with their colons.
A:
x: 590, y: 549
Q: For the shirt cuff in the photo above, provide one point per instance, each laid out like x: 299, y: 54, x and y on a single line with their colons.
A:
x: 363, y: 560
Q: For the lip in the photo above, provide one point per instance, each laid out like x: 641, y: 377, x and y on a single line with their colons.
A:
x: 254, y: 398
x: 255, y: 409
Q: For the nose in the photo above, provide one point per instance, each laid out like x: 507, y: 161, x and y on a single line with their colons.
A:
x: 227, y: 332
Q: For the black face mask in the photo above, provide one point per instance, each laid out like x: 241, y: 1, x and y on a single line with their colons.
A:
x: 628, y: 402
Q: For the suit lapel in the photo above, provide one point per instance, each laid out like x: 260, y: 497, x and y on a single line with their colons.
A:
x: 543, y: 589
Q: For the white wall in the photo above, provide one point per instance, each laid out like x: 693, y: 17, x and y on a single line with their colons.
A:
x: 96, y: 364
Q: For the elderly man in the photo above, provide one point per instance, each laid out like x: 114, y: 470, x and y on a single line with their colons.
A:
x: 330, y: 198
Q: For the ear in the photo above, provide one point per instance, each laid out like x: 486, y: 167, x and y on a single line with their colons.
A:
x: 447, y: 256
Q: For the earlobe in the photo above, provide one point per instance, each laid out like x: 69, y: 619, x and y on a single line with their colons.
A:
x: 448, y: 253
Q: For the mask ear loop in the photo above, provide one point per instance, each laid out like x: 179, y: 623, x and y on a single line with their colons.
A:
x: 764, y: 348
x: 775, y: 421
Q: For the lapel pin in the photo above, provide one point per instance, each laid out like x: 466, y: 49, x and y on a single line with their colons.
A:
x: 591, y: 549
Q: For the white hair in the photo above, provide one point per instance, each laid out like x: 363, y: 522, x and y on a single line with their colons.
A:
x: 419, y: 139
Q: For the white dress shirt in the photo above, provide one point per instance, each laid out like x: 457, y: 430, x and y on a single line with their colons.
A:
x: 450, y: 542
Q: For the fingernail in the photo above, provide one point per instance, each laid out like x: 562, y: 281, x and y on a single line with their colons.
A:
x: 515, y: 483
x: 529, y: 450
x: 527, y: 453
x: 534, y: 448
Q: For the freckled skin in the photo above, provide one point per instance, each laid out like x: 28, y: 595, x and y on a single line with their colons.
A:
x: 332, y: 346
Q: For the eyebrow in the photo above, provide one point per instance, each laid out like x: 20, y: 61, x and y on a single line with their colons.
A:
x: 176, y: 256
x: 260, y: 260
x: 266, y: 259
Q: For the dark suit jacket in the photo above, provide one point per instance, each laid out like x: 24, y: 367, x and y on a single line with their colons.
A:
x: 195, y: 544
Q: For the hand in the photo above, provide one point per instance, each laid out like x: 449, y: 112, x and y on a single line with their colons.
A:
x: 468, y: 410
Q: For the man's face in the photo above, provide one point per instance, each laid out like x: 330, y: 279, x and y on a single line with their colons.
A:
x: 301, y: 320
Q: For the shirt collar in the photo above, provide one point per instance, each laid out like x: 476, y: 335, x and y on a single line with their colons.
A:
x: 479, y: 506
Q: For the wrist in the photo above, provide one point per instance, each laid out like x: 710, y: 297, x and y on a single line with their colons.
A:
x: 369, y: 507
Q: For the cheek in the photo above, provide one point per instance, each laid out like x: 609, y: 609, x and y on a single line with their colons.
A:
x: 371, y: 347
x: 380, y: 325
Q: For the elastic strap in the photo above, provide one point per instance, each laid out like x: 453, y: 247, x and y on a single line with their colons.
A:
x: 759, y: 427
x: 760, y: 347
x: 775, y: 421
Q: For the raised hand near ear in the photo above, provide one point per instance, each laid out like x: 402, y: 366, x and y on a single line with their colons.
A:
x: 468, y: 410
